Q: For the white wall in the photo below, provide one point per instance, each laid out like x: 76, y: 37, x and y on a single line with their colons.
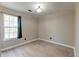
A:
x: 0, y: 35
x: 59, y: 25
x: 29, y: 27
x: 77, y: 30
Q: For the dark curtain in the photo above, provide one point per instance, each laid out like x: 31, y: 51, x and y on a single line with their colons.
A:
x: 19, y: 27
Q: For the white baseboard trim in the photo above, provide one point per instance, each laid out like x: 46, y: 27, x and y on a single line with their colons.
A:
x: 18, y: 45
x: 57, y: 43
x: 50, y: 41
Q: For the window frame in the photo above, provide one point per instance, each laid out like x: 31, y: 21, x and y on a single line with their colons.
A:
x: 5, y: 39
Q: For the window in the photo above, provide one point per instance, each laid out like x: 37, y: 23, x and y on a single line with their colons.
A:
x: 10, y: 26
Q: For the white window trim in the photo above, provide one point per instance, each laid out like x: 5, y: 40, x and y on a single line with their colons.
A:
x: 6, y: 39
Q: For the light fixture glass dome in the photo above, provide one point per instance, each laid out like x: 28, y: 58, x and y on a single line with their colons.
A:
x: 39, y: 10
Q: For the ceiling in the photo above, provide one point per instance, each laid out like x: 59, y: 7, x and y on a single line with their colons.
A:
x: 48, y: 7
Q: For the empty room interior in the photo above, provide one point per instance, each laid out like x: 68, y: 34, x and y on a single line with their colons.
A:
x: 39, y: 29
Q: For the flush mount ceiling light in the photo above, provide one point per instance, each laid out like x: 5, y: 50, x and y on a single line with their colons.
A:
x: 37, y: 6
x: 39, y: 9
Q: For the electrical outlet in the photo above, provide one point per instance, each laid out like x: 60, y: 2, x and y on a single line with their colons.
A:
x: 50, y: 38
x: 24, y: 38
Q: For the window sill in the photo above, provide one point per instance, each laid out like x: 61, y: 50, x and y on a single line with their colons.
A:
x: 10, y: 39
